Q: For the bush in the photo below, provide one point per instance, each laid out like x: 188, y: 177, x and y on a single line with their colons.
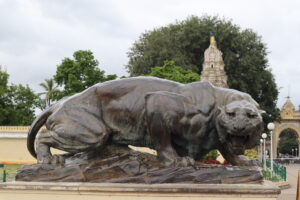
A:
x: 251, y: 153
x: 212, y: 155
x: 268, y: 176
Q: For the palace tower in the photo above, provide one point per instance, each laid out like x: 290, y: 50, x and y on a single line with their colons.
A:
x: 213, y: 66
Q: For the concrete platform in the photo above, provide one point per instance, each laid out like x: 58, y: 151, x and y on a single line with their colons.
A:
x: 115, y: 191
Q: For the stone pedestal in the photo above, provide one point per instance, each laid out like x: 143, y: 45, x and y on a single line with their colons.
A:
x: 117, y: 191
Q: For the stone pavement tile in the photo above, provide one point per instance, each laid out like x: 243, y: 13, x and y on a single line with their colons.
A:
x: 292, y: 177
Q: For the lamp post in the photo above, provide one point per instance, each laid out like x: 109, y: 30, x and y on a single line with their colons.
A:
x: 261, y: 150
x: 271, y: 127
x: 264, y: 136
x: 297, y: 153
x: 292, y: 152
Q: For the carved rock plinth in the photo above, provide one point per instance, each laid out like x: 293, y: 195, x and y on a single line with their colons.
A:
x: 125, y: 166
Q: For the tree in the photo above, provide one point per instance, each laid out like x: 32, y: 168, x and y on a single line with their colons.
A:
x: 50, y: 91
x: 3, y: 81
x: 3, y: 96
x: 244, y: 53
x: 175, y: 73
x: 22, y: 102
x: 288, y: 141
x: 79, y: 73
x: 17, y: 102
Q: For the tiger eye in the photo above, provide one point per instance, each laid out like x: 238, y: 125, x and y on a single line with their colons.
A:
x: 231, y: 114
x: 250, y: 115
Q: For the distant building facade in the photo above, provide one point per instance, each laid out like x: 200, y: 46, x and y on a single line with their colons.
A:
x: 290, y: 119
x: 213, y: 66
x: 13, y: 140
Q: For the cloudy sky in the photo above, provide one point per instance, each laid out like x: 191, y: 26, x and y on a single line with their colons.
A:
x: 36, y: 35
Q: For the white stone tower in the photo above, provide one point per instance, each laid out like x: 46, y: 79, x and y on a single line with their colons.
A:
x: 213, y: 66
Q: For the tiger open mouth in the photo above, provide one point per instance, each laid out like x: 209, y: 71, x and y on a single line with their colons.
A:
x: 237, y: 143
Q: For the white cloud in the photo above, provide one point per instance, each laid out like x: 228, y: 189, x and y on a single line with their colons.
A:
x: 36, y: 35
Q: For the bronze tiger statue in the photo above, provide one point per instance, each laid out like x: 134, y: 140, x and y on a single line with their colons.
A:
x: 182, y: 122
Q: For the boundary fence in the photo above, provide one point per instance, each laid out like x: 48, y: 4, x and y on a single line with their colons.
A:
x: 278, y: 169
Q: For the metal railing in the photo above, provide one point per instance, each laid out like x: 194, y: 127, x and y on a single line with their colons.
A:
x: 279, y: 170
x: 4, y: 174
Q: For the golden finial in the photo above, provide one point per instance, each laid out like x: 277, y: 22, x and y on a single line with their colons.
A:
x: 213, y: 41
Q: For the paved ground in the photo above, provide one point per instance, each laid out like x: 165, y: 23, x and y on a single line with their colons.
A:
x: 292, y: 176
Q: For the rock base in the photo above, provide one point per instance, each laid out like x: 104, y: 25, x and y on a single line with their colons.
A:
x: 126, y: 166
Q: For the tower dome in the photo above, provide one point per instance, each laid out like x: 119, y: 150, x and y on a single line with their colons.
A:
x: 288, y: 109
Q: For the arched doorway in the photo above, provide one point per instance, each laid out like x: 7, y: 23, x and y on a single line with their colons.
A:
x: 288, y: 143
x: 290, y: 122
x: 286, y: 125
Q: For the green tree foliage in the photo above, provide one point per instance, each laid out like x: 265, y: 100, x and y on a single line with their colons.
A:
x: 79, y: 73
x: 3, y: 82
x: 184, y: 42
x: 175, y: 73
x: 3, y: 96
x: 22, y: 104
x: 17, y: 103
x: 51, y: 91
x: 288, y: 141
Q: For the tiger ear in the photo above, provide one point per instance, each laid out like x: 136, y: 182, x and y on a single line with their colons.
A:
x: 261, y: 112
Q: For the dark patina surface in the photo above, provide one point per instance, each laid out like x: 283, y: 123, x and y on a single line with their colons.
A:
x: 181, y: 122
